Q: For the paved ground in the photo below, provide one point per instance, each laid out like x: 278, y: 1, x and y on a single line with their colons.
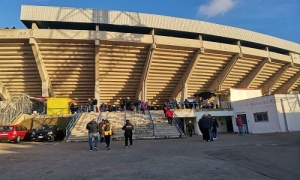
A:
x: 267, y: 156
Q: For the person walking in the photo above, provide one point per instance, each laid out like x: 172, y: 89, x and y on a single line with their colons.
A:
x: 128, y: 127
x: 107, y: 132
x: 215, y: 126
x: 190, y: 127
x: 211, y: 127
x: 204, y: 126
x: 93, y: 129
x: 239, y: 124
x: 169, y: 115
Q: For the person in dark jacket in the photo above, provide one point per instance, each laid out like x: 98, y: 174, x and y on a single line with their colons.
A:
x: 128, y: 127
x: 190, y: 127
x: 211, y: 127
x: 215, y: 126
x: 100, y: 130
x: 204, y: 126
x: 93, y: 130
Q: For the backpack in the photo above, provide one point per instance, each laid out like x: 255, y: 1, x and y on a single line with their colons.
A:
x: 107, y: 127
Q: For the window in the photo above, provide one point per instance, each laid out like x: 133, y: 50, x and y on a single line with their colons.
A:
x: 261, y: 117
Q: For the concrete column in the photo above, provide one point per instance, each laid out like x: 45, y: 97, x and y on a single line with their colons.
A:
x: 97, y: 27
x: 144, y: 91
x: 45, y: 89
x: 184, y: 92
x: 34, y: 26
x: 97, y: 88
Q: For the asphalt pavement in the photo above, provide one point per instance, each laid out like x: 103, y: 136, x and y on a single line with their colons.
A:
x: 258, y: 157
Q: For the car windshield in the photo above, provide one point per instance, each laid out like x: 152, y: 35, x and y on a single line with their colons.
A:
x: 46, y: 127
x: 6, y: 128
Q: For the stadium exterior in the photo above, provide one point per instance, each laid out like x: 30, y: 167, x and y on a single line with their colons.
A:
x: 86, y: 53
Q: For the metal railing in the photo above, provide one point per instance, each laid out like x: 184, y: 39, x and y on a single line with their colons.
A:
x: 151, y: 123
x: 196, y: 106
x: 72, y: 122
x: 20, y: 106
x: 41, y: 115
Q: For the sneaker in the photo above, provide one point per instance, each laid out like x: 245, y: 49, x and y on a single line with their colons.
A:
x: 95, y: 148
x: 126, y: 147
x: 130, y: 146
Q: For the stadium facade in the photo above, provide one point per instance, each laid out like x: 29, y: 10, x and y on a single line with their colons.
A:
x: 86, y: 53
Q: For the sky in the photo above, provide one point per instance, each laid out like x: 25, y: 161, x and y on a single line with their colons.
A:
x: 279, y: 18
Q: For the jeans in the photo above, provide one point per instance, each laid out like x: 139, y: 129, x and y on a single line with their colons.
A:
x: 211, y: 134
x: 190, y: 132
x: 137, y: 107
x: 126, y: 139
x: 214, y: 134
x: 241, y: 132
x: 91, y: 137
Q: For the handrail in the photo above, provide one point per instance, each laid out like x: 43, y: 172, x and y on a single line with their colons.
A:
x: 72, y: 122
x: 19, y: 106
x: 42, y: 114
x: 152, y: 123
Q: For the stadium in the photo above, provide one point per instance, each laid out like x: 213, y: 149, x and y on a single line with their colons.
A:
x: 86, y: 53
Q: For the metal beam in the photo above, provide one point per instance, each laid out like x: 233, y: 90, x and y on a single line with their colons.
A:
x: 266, y: 88
x: 46, y: 83
x: 145, y: 71
x: 287, y: 86
x: 217, y: 84
x: 187, y: 74
x: 252, y: 76
x: 4, y: 93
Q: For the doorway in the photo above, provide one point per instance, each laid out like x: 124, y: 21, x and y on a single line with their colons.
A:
x: 229, y: 123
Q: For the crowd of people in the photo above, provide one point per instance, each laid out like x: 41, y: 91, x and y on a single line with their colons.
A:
x: 208, y: 127
x: 194, y: 103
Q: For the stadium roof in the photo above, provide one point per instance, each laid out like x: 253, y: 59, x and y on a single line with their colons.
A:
x: 119, y: 21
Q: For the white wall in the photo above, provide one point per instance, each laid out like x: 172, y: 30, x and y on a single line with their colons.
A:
x: 290, y: 104
x: 256, y: 105
x: 241, y: 94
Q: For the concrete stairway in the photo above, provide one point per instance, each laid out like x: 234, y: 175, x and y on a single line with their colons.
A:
x: 142, y: 126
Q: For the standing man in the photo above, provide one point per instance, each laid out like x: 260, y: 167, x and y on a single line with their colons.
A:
x: 137, y: 104
x: 128, y: 127
x: 204, y: 126
x: 94, y: 103
x: 93, y: 129
x: 211, y: 127
x: 190, y: 127
x: 239, y: 124
x: 169, y: 115
x: 107, y: 132
x: 128, y: 102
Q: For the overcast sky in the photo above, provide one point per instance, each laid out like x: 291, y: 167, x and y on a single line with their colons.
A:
x: 279, y: 18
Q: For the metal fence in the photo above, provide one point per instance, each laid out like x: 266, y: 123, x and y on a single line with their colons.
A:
x: 20, y: 106
x: 72, y: 122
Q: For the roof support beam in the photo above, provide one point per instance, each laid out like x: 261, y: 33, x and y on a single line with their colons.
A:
x: 4, y: 93
x: 266, y: 88
x: 287, y: 86
x: 182, y: 85
x: 249, y: 80
x: 187, y: 75
x: 143, y: 81
x: 46, y: 83
x: 97, y: 86
x: 217, y: 84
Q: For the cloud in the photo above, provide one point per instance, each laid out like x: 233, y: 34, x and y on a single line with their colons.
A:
x: 216, y: 7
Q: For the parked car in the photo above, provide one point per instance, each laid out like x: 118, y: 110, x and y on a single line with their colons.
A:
x: 47, y: 132
x: 14, y: 133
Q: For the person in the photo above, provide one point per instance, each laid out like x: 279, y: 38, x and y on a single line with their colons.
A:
x: 93, y: 129
x: 137, y: 104
x: 211, y: 127
x: 169, y: 115
x: 239, y: 124
x: 143, y: 106
x: 128, y: 102
x: 204, y: 126
x: 128, y: 127
x: 100, y: 130
x: 190, y: 127
x: 107, y: 130
x: 149, y: 104
x: 165, y: 109
x: 95, y: 103
x: 215, y: 126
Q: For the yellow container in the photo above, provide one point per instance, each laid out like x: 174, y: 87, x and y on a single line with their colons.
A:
x: 58, y: 106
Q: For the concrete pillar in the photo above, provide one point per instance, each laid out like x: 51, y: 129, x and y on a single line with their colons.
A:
x: 45, y: 89
x: 144, y: 91
x: 184, y: 92
x: 97, y: 27
x: 97, y: 88
x: 34, y: 26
